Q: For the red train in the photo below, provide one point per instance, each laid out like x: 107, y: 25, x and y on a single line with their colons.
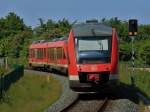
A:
x: 89, y: 55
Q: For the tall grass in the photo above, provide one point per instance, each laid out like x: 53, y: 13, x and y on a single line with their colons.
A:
x: 142, y: 78
x: 32, y: 93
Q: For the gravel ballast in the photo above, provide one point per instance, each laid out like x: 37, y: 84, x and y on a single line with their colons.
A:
x: 122, y: 105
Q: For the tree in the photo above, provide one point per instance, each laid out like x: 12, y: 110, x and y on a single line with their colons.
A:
x: 124, y: 52
x: 12, y: 29
x: 52, y: 29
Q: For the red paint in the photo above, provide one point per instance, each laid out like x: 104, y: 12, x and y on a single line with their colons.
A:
x: 72, y: 68
x: 114, y: 56
x: 94, y: 67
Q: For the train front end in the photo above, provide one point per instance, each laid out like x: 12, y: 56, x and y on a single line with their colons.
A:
x: 93, y: 57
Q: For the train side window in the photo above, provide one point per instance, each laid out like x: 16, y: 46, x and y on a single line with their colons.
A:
x: 35, y: 53
x: 52, y: 53
x: 49, y: 53
x: 62, y: 53
x: 55, y: 53
x: 44, y: 52
x: 64, y: 57
x: 53, y: 49
x: 59, y: 53
x: 40, y: 53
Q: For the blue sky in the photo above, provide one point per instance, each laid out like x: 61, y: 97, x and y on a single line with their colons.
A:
x: 31, y: 10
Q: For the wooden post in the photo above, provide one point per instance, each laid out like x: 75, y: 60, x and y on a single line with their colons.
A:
x: 48, y: 78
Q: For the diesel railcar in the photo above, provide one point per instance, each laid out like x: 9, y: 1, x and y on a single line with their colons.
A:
x: 89, y: 55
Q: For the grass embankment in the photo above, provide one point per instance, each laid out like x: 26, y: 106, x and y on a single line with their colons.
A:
x: 142, y: 78
x: 32, y: 93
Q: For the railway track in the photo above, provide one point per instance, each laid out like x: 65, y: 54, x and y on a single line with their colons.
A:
x: 72, y: 102
x: 87, y: 106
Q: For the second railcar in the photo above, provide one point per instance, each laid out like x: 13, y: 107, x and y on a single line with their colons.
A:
x: 49, y: 55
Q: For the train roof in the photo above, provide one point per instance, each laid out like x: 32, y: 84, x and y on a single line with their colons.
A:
x: 56, y: 44
x: 43, y: 43
x: 91, y: 29
x: 53, y: 40
x: 38, y: 45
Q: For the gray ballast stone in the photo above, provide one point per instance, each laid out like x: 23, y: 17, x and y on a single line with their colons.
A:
x: 122, y: 105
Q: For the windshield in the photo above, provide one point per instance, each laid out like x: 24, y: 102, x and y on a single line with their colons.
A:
x: 93, y: 49
x: 89, y: 45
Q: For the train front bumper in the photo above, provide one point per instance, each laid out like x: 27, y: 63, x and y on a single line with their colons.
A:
x: 113, y: 82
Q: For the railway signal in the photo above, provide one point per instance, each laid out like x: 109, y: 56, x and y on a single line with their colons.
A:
x: 133, y: 28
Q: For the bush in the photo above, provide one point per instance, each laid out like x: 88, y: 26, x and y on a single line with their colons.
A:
x: 144, y: 53
x: 125, y: 52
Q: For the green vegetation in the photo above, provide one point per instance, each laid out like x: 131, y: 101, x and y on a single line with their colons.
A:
x: 16, y: 36
x: 142, y: 78
x: 32, y: 93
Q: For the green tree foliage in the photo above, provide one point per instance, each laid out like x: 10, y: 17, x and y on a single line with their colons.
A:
x: 143, y: 51
x: 16, y: 36
x: 11, y: 25
x: 52, y: 29
x: 124, y: 51
x: 13, y: 34
x: 121, y: 26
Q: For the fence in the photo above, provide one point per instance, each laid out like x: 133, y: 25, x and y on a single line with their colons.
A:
x: 7, y: 79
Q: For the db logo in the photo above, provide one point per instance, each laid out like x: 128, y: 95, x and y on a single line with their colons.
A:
x: 93, y: 68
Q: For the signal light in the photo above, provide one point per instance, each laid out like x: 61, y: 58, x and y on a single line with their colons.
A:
x: 130, y: 33
x: 133, y: 27
x: 135, y: 33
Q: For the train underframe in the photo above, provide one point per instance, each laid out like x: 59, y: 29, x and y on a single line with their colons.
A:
x: 106, y: 84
